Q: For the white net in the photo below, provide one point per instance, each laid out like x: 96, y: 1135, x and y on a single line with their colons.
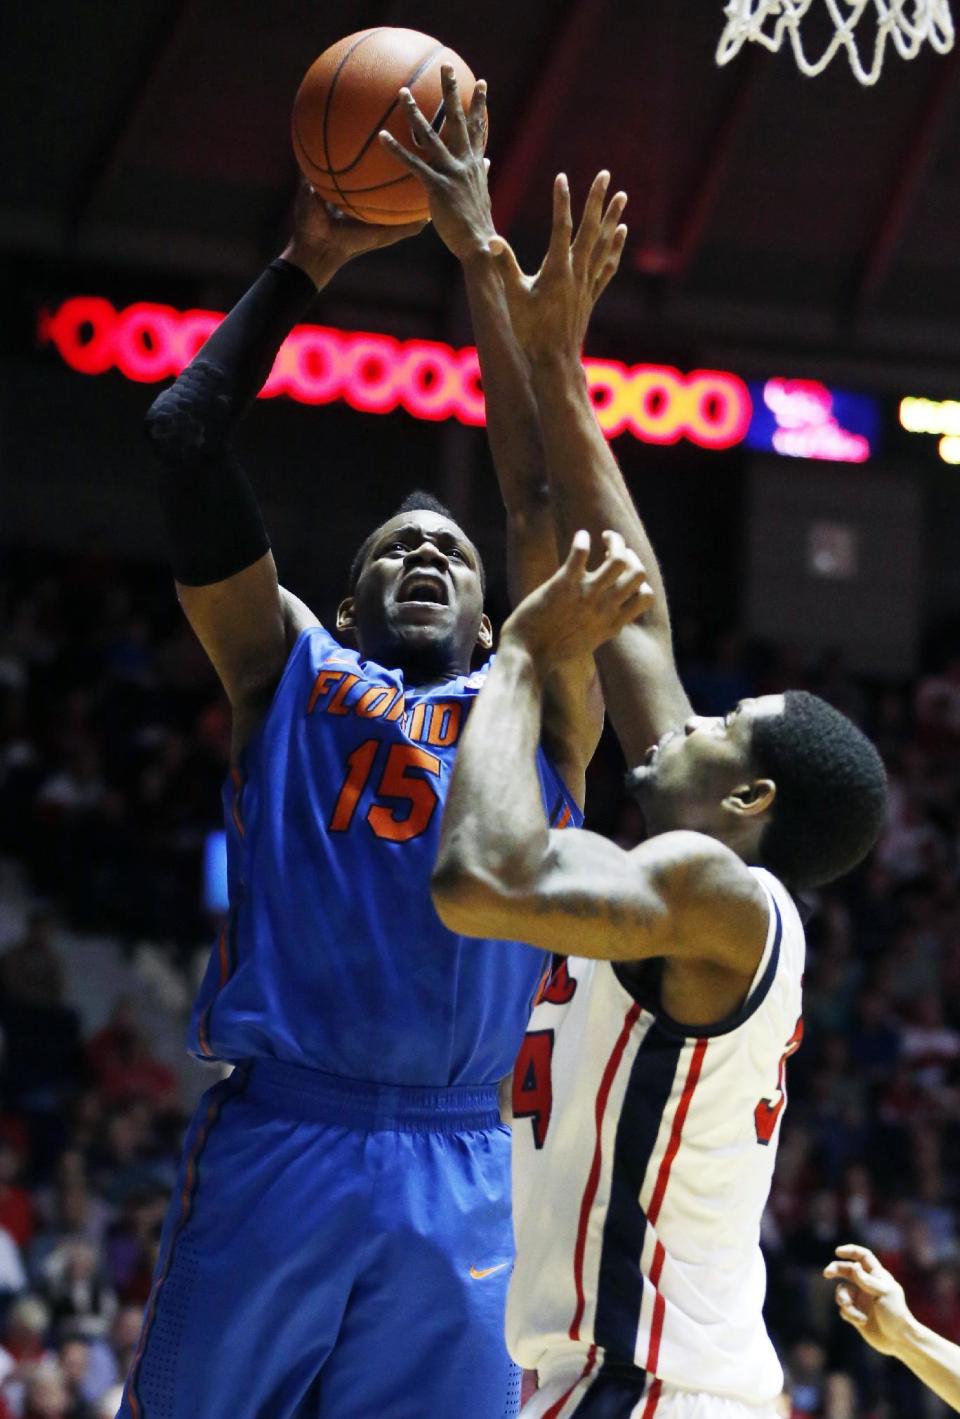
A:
x: 908, y: 24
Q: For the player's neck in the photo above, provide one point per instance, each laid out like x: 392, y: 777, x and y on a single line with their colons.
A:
x: 421, y: 677
x: 425, y: 667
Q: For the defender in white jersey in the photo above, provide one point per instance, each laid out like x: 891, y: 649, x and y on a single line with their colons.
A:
x: 650, y: 1149
x: 649, y: 1092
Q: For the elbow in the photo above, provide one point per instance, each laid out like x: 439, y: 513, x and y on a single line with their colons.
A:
x: 166, y: 429
x: 190, y: 419
x: 468, y: 899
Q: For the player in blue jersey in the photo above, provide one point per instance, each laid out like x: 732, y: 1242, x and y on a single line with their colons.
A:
x: 340, y: 1240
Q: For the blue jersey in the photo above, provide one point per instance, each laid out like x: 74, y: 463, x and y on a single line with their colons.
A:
x: 332, y: 955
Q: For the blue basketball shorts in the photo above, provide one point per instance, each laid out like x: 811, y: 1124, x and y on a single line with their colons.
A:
x: 333, y: 1250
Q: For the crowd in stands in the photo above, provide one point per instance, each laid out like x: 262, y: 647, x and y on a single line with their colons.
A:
x: 113, y: 745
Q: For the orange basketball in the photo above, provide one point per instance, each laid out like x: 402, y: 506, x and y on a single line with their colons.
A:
x: 347, y: 96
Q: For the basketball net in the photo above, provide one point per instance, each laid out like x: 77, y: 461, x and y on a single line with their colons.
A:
x: 908, y: 23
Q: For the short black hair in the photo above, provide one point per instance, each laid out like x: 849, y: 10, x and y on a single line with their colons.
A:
x: 831, y: 796
x: 418, y: 501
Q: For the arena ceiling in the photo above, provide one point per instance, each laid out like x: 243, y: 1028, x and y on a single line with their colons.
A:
x: 768, y: 212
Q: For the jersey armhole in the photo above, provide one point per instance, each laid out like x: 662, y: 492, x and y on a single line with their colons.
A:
x: 763, y: 979
x: 296, y: 654
x: 563, y: 810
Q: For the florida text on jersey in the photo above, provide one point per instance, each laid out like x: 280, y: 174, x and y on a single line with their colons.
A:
x: 332, y: 956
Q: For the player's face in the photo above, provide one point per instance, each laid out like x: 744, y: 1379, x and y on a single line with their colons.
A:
x: 687, y: 777
x: 418, y: 602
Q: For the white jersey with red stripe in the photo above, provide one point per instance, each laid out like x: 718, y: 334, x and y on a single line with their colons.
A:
x: 643, y: 1156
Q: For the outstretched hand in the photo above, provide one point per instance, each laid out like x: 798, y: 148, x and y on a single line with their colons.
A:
x: 324, y: 238
x: 551, y: 310
x: 452, y: 168
x: 869, y: 1298
x: 577, y: 610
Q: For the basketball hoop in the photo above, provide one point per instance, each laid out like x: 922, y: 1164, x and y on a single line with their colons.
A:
x: 908, y: 23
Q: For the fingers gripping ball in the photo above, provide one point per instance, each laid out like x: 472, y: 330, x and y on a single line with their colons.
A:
x: 347, y: 96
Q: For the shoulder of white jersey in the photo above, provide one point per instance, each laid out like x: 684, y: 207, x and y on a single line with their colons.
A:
x: 785, y: 914
x: 779, y: 970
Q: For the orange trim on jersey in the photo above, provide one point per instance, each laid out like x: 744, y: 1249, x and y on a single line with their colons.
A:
x: 203, y: 1039
x: 656, y: 1202
x: 593, y: 1178
x: 224, y: 957
x: 226, y: 970
x: 554, y: 1411
x: 238, y: 784
x: 186, y: 1203
x: 653, y: 1399
x: 564, y: 818
x: 541, y: 988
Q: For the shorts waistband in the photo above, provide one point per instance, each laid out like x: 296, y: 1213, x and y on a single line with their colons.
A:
x: 356, y: 1103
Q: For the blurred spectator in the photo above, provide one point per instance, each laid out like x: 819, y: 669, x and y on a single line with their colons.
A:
x: 814, y: 1392
x: 47, y: 1395
x: 17, y: 1212
x: 75, y: 1367
x: 13, y: 1277
x: 937, y: 707
x: 117, y: 1356
x: 24, y: 1348
x: 109, y: 1404
x: 121, y: 1063
x: 30, y: 971
x: 76, y: 1289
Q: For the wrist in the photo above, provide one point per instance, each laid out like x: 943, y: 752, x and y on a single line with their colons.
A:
x: 908, y: 1339
x: 475, y: 255
x: 320, y: 265
x: 523, y: 655
x: 548, y: 362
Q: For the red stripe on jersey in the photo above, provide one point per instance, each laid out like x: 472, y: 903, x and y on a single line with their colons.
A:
x: 593, y: 1179
x: 656, y: 1331
x: 659, y: 1307
x: 653, y: 1399
x: 656, y: 1202
x: 657, y: 1267
x: 554, y: 1411
x: 663, y: 1177
x: 564, y: 818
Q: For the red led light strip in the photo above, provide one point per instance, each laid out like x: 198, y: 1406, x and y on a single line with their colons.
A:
x: 376, y: 373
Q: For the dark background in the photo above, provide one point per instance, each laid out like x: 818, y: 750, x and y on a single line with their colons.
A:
x: 779, y: 226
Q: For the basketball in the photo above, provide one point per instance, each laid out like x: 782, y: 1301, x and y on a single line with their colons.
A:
x: 347, y: 96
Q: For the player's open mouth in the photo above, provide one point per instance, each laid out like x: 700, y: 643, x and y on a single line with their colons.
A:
x: 422, y: 587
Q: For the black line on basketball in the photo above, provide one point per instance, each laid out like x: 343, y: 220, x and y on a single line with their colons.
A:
x: 408, y: 83
x: 379, y: 186
x: 333, y: 84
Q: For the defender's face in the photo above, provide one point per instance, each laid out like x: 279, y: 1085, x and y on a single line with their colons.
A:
x: 419, y: 594
x: 687, y: 774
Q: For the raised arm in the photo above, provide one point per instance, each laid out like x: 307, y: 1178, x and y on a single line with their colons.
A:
x: 870, y: 1299
x: 225, y: 572
x: 455, y: 174
x: 550, y: 312
x: 500, y: 871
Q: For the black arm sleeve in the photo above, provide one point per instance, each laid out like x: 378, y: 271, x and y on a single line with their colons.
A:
x: 213, y: 521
